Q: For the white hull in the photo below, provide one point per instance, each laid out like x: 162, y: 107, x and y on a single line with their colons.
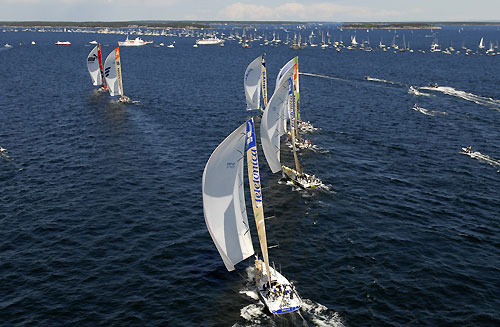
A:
x: 210, y: 41
x: 303, y: 180
x: 137, y: 42
x: 280, y: 297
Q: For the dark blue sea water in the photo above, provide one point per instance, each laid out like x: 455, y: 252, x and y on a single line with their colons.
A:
x: 101, y: 218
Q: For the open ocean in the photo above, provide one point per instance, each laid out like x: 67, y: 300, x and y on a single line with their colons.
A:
x: 101, y: 215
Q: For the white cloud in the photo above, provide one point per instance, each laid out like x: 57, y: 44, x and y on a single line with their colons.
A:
x: 148, y: 3
x: 321, y: 11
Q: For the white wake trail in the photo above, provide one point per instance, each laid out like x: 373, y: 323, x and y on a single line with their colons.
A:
x: 487, y: 102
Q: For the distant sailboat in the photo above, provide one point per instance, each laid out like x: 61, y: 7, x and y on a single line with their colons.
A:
x: 435, y: 46
x: 481, y: 43
x: 255, y: 84
x: 113, y: 75
x: 95, y: 68
x: 226, y: 218
x: 353, y: 41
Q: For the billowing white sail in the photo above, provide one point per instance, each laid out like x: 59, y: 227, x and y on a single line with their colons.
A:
x: 252, y: 82
x: 271, y: 126
x: 224, y: 202
x: 113, y: 74
x: 285, y: 72
x: 93, y: 66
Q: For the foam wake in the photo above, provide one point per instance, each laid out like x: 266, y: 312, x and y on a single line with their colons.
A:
x: 311, y: 314
x: 429, y: 112
x: 482, y: 157
x: 380, y: 80
x: 488, y: 102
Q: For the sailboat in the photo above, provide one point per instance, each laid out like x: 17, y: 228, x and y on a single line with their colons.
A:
x: 113, y: 75
x: 481, y: 43
x: 296, y: 45
x: 95, y: 68
x: 273, y: 125
x: 353, y: 41
x: 255, y: 83
x: 226, y: 217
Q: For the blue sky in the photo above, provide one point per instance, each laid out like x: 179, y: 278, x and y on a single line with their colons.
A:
x: 299, y: 10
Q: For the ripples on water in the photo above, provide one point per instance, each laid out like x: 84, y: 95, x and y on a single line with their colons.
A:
x: 101, y: 210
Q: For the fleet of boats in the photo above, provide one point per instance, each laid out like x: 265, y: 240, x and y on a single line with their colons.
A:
x: 223, y: 180
x: 223, y: 185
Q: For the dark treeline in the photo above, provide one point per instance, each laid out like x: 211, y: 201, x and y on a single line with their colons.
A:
x: 148, y: 24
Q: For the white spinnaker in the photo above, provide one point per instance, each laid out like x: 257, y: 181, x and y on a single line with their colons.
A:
x: 252, y: 82
x: 224, y: 201
x: 286, y: 72
x: 93, y: 67
x: 271, y: 126
x: 111, y: 74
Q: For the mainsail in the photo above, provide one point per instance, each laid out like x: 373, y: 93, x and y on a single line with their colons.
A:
x: 224, y: 202
x: 264, y: 81
x: 113, y: 73
x: 292, y: 102
x: 93, y: 66
x: 252, y: 81
x: 256, y: 190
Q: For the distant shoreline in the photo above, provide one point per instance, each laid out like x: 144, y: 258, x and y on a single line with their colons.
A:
x: 391, y: 27
x: 125, y: 24
x: 157, y: 24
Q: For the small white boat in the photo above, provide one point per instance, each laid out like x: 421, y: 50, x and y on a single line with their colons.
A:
x: 210, y: 41
x: 63, y: 43
x: 7, y: 45
x: 93, y: 42
x: 137, y: 42
x: 33, y: 42
x: 170, y: 46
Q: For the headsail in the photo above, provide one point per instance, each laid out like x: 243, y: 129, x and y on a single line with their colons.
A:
x: 93, y: 66
x: 256, y: 189
x: 252, y: 82
x: 113, y: 73
x: 286, y: 71
x: 224, y: 202
x: 271, y: 126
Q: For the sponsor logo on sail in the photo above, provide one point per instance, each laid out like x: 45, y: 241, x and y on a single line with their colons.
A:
x: 254, y: 163
x: 256, y: 178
